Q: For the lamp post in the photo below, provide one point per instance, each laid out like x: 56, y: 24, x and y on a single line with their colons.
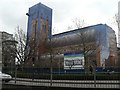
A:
x: 33, y: 68
x: 94, y: 71
x: 34, y: 48
x: 34, y: 51
x: 51, y: 57
x: 59, y: 65
x: 34, y: 45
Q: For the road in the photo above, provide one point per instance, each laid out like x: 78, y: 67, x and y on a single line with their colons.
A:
x: 67, y: 83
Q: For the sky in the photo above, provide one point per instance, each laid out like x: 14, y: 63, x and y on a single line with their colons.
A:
x: 13, y: 13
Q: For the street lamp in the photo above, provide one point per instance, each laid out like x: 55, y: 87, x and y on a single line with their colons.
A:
x: 59, y: 65
x: 33, y: 60
x: 27, y: 14
x: 94, y: 71
x: 59, y: 62
x: 34, y: 52
x: 51, y: 68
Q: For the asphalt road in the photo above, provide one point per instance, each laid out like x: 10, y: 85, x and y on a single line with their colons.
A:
x: 66, y: 83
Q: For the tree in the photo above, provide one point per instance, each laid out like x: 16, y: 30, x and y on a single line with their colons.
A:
x: 8, y: 55
x: 117, y: 22
x: 20, y: 37
x: 87, y: 43
x: 89, y: 47
x: 77, y: 23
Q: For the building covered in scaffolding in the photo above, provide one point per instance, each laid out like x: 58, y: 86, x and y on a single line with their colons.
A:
x: 97, y: 42
x: 72, y: 49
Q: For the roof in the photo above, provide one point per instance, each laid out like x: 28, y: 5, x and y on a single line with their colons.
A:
x: 97, y: 26
x: 39, y: 5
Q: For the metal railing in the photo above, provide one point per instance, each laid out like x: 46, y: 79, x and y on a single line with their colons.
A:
x: 108, y: 77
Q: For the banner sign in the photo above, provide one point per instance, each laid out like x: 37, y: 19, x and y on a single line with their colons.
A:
x: 73, y: 61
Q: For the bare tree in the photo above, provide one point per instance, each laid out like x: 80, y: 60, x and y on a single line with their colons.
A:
x: 20, y: 37
x: 78, y: 23
x: 9, y: 54
x: 89, y: 48
x: 117, y: 22
x: 87, y: 43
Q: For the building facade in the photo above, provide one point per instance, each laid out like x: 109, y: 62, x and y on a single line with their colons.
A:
x: 8, y: 52
x: 39, y: 30
x: 73, y: 49
x: 99, y: 41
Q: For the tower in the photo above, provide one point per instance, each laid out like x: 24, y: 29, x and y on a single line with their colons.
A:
x: 38, y: 30
x: 39, y: 25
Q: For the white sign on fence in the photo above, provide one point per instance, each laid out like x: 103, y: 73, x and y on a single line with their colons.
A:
x: 73, y: 61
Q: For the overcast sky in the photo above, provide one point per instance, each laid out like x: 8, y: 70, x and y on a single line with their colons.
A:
x: 12, y: 13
